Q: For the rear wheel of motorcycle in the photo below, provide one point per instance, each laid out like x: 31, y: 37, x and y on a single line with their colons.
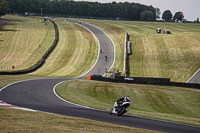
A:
x: 121, y: 110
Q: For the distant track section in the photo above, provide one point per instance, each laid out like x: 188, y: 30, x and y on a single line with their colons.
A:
x: 107, y: 48
x: 195, y: 78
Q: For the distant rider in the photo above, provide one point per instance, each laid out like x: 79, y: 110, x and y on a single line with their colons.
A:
x: 106, y: 57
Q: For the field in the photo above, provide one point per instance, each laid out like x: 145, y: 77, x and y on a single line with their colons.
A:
x: 175, y: 56
x: 20, y: 40
x: 75, y: 53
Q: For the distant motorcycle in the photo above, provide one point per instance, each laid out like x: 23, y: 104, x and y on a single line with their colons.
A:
x: 120, y: 108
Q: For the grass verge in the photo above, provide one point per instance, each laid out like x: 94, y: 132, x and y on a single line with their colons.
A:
x: 13, y: 120
x: 174, y: 104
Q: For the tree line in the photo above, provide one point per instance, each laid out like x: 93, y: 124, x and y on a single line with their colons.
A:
x: 126, y: 10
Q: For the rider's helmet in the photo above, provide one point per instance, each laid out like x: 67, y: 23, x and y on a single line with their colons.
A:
x: 126, y: 98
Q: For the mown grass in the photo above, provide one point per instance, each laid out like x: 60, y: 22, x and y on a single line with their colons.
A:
x: 175, y: 104
x: 75, y: 53
x: 21, y: 38
x: 14, y: 120
x: 1, y: 19
x: 175, y: 56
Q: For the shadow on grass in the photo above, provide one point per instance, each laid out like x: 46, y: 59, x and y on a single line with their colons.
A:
x: 9, y: 30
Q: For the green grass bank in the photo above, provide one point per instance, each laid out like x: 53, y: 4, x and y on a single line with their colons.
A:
x: 75, y: 54
x: 20, y: 40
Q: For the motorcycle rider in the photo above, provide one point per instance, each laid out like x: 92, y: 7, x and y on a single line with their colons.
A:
x: 120, y: 106
x: 120, y: 100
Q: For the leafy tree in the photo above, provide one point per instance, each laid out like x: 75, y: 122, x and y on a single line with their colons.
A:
x: 157, y: 13
x: 167, y: 15
x: 178, y: 16
x: 3, y: 7
x: 146, y: 16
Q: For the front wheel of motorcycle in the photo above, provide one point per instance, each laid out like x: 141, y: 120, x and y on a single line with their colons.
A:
x: 110, y: 112
x: 121, y: 111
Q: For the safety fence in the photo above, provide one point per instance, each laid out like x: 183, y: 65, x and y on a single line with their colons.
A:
x: 41, y: 61
x: 145, y: 80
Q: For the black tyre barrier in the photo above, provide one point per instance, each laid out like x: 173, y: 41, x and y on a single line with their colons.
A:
x: 41, y: 61
x: 146, y: 81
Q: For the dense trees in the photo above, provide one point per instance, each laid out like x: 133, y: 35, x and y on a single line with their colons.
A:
x: 146, y: 16
x: 167, y: 15
x: 3, y: 7
x: 178, y: 16
x: 131, y: 11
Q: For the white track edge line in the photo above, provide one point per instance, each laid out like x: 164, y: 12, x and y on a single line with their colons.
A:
x: 54, y: 90
x: 193, y: 75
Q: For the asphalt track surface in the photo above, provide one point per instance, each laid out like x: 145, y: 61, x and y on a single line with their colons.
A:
x: 195, y: 78
x: 39, y: 95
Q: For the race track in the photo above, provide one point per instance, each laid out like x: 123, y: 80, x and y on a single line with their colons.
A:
x: 39, y: 95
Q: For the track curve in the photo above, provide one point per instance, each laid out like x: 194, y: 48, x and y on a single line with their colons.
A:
x: 39, y: 95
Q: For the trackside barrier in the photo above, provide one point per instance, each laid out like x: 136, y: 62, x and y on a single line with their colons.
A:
x: 88, y: 77
x: 145, y: 80
x: 126, y: 53
x: 41, y: 61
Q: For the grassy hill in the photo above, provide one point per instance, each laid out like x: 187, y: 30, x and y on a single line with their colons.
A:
x: 175, y: 56
x: 75, y: 53
x: 21, y: 38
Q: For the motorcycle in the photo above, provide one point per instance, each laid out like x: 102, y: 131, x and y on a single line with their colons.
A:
x: 121, y: 108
